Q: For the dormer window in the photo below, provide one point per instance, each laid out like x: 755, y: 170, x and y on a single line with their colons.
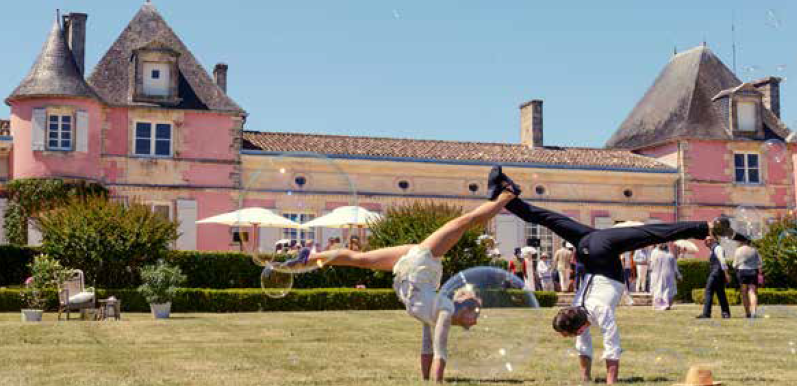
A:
x: 746, y: 116
x: 156, y: 74
x: 156, y: 79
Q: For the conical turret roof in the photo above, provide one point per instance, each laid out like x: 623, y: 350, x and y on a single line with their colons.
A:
x: 55, y: 72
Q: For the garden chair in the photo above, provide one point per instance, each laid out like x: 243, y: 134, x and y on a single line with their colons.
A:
x: 73, y: 296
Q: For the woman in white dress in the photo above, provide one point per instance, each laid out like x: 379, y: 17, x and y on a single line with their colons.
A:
x: 417, y: 271
x: 663, y: 274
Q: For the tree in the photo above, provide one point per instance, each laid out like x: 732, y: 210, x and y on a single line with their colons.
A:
x: 778, y: 249
x: 108, y: 240
x: 412, y: 223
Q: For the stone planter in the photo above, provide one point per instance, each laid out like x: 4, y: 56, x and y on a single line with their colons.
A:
x: 161, y: 311
x: 32, y: 315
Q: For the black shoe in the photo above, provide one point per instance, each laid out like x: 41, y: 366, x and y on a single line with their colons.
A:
x: 726, y: 316
x: 701, y: 316
x: 721, y: 227
x: 495, y: 182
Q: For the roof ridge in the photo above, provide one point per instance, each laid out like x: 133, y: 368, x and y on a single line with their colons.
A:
x: 437, y: 141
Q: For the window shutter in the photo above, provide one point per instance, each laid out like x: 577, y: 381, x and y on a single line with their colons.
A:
x: 38, y: 130
x: 82, y: 131
x: 187, y: 216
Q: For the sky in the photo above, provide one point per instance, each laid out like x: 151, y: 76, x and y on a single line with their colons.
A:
x: 444, y: 69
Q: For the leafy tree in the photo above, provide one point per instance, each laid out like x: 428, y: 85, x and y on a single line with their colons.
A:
x: 412, y: 223
x: 778, y: 249
x: 109, y: 241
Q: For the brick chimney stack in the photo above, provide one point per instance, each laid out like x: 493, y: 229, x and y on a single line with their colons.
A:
x: 220, y: 76
x: 770, y: 87
x: 531, y: 123
x: 75, y: 34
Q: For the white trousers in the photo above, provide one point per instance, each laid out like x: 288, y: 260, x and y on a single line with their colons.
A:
x: 564, y: 279
x: 641, y: 277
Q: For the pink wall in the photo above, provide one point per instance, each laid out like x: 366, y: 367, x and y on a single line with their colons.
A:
x: 213, y: 236
x: 30, y: 164
x: 117, y: 137
x: 207, y: 135
x: 705, y: 160
x: 660, y: 151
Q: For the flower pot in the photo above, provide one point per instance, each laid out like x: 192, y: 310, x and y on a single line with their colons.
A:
x: 32, y: 315
x: 161, y: 311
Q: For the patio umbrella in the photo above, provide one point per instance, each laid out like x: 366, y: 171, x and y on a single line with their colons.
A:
x: 626, y: 224
x: 344, y: 217
x: 686, y: 244
x: 254, y: 217
x: 251, y: 217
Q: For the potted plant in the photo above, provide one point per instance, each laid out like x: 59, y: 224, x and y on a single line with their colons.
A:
x: 160, y: 284
x: 46, y: 272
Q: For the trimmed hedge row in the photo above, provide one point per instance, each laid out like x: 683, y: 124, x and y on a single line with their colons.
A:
x: 695, y: 275
x: 250, y: 300
x: 765, y: 296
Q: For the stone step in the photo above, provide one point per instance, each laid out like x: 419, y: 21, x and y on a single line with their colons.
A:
x: 640, y: 299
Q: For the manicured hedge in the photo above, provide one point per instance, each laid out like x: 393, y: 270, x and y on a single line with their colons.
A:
x: 695, y: 275
x: 765, y: 296
x: 248, y: 300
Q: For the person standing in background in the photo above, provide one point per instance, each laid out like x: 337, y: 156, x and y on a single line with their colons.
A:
x: 641, y: 259
x: 663, y: 273
x: 748, y: 264
x: 527, y: 257
x: 718, y: 277
x: 561, y: 260
x: 545, y: 270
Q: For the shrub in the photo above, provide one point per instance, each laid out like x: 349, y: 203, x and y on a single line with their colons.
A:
x: 412, y: 223
x: 765, y: 296
x: 251, y: 300
x: 695, y: 275
x: 160, y: 282
x: 778, y: 249
x: 109, y: 241
x: 14, y: 260
x: 46, y: 273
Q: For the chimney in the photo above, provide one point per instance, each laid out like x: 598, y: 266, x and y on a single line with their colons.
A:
x: 75, y: 33
x: 770, y: 87
x: 220, y: 75
x: 531, y: 123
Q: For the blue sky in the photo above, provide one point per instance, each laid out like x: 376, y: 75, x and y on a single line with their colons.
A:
x: 445, y: 69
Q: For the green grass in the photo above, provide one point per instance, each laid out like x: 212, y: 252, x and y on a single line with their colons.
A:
x: 381, y: 348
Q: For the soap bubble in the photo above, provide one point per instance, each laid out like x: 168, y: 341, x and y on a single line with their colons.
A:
x: 775, y: 150
x: 748, y: 220
x: 502, y: 340
x: 282, y: 187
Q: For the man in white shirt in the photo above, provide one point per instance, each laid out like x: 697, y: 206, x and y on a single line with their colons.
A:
x: 641, y: 258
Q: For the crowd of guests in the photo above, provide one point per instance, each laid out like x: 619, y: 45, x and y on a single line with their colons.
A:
x: 651, y: 270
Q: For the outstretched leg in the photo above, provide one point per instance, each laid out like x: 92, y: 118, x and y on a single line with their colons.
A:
x: 379, y: 259
x: 632, y: 238
x: 565, y: 227
x: 443, y: 239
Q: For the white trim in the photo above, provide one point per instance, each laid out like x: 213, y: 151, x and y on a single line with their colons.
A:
x: 152, y: 140
x: 747, y: 168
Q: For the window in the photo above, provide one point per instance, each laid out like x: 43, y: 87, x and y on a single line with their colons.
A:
x: 746, y: 115
x: 746, y: 168
x: 59, y: 132
x: 156, y: 79
x: 163, y: 209
x: 534, y: 231
x: 403, y: 184
x: 300, y: 235
x: 157, y: 143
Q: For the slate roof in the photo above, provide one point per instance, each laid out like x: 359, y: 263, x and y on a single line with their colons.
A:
x: 55, y: 72
x: 394, y: 148
x: 680, y: 104
x: 111, y: 77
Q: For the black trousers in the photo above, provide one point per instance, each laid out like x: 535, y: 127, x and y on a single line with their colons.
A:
x: 715, y: 284
x: 599, y: 249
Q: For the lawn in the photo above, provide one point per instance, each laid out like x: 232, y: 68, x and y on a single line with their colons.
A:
x: 380, y: 348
